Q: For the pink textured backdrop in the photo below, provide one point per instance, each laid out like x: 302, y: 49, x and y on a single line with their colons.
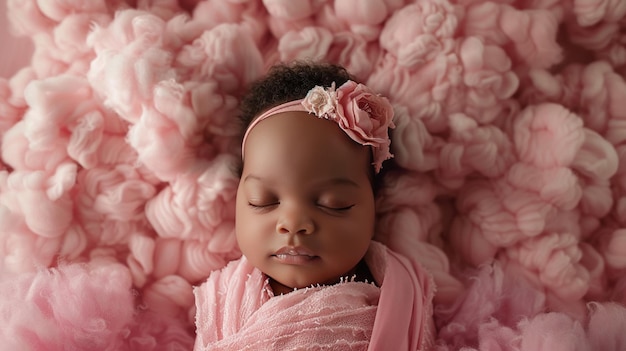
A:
x: 118, y: 133
x: 17, y: 50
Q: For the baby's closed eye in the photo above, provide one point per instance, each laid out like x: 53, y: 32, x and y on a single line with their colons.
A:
x: 335, y: 203
x: 262, y: 200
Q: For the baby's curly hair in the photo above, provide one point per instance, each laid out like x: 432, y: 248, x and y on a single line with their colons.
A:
x: 288, y: 82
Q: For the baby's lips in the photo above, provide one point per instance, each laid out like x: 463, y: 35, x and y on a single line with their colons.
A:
x: 294, y: 251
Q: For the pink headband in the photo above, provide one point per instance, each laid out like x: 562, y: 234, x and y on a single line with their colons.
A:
x: 360, y: 113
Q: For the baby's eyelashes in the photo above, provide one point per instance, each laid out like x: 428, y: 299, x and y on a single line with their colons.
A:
x: 334, y: 202
x: 336, y: 207
x: 262, y: 200
x: 336, y: 210
x: 325, y: 207
x: 263, y: 205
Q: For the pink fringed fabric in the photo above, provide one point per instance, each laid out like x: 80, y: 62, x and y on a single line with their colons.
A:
x: 236, y: 310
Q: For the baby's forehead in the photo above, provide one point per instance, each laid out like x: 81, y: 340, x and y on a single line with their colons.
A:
x: 296, y: 142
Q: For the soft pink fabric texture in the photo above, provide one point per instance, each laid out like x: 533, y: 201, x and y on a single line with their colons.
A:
x: 85, y: 307
x: 118, y: 132
x: 236, y: 310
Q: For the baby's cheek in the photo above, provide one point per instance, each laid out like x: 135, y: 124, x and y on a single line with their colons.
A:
x: 357, y: 234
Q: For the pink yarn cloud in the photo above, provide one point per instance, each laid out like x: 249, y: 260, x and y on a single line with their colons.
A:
x: 554, y: 258
x: 227, y: 54
x: 407, y: 221
x: 11, y: 105
x: 467, y: 240
x: 531, y: 33
x: 27, y: 18
x: 590, y: 12
x: 110, y: 203
x: 488, y: 81
x: 309, y: 43
x: 420, y: 32
x: 289, y: 9
x: 565, y: 334
x: 361, y: 12
x: 489, y: 311
x: 198, y: 208
x: 604, y: 38
x: 429, y: 93
x: 471, y: 148
x: 548, y: 142
x: 152, y: 331
x: 600, y: 100
x: 503, y: 214
x: 131, y: 56
x: 563, y: 88
x: 170, y: 296
x: 156, y: 136
x: 36, y: 211
x: 354, y: 53
x: 414, y: 148
x: 604, y: 326
x: 614, y: 248
x: 39, y: 141
x: 406, y: 189
x: 68, y: 307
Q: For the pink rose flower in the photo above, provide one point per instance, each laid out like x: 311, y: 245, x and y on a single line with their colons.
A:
x: 366, y: 118
x: 362, y: 114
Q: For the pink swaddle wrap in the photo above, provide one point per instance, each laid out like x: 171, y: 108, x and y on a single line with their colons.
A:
x: 236, y: 310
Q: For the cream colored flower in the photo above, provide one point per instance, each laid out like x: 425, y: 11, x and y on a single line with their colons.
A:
x: 321, y: 102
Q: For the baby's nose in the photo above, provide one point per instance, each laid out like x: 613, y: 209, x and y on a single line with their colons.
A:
x: 294, y: 219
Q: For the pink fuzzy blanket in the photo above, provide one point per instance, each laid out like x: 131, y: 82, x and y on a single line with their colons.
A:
x: 118, y: 135
x: 236, y: 310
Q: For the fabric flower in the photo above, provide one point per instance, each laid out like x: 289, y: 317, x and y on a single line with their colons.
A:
x: 321, y: 102
x: 362, y: 114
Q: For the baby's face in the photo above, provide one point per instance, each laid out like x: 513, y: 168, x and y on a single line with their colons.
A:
x: 305, y: 206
